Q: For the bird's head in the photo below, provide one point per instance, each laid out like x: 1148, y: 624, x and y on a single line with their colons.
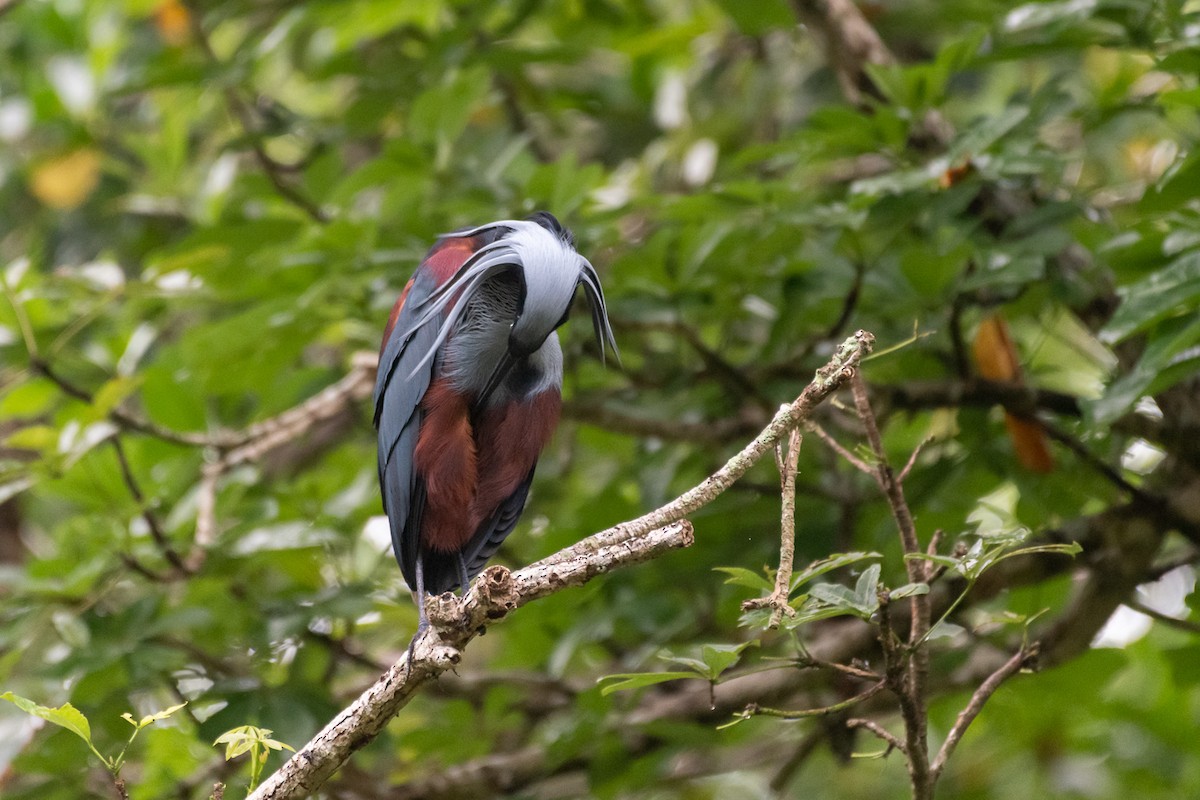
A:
x: 550, y: 270
x: 540, y: 253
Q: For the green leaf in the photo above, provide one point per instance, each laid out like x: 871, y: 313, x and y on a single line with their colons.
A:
x: 112, y: 394
x: 1172, y: 290
x: 815, y: 610
x: 908, y: 590
x: 637, y: 680
x: 1169, y: 357
x: 65, y: 716
x: 866, y: 588
x: 755, y: 19
x: 151, y: 718
x: 978, y: 139
x: 720, y: 657
x: 1176, y: 187
x: 714, y: 659
x: 441, y: 114
x: 740, y: 576
x: 835, y: 561
x: 33, y: 437
x: 1072, y: 549
x: 244, y: 739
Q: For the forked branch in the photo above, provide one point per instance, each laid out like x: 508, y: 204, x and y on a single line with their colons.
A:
x: 497, y: 592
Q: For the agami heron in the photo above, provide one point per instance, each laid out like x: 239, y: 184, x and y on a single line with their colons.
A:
x: 469, y: 391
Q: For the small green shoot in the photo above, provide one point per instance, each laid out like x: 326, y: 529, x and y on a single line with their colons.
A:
x: 714, y: 660
x: 255, y: 741
x: 69, y: 717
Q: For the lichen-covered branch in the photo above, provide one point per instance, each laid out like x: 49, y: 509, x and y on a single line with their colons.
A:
x: 455, y: 622
x: 844, y: 365
x: 777, y: 600
x: 497, y: 592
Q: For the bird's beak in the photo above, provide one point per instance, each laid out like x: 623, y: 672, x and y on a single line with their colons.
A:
x: 498, y: 375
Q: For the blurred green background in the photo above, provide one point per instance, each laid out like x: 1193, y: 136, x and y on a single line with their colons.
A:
x: 209, y: 208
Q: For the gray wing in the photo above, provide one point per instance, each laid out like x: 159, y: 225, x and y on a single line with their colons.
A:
x: 398, y: 393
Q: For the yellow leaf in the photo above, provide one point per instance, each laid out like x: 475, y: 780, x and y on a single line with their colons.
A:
x: 66, y: 181
x: 173, y: 21
x: 32, y: 437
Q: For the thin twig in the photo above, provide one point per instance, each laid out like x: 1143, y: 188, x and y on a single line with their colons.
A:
x: 837, y: 447
x: 879, y: 731
x: 1015, y: 398
x: 807, y: 661
x: 1148, y: 499
x: 912, y: 459
x: 738, y: 384
x: 755, y: 710
x: 496, y: 593
x: 137, y: 566
x: 245, y: 116
x: 259, y: 439
x: 912, y: 711
x: 777, y: 601
x: 1166, y: 619
x: 912, y: 691
x: 884, y: 476
x: 841, y: 367
x: 122, y: 418
x: 978, y: 699
x: 156, y: 531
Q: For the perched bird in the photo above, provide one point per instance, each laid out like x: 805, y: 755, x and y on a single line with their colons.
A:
x: 469, y: 391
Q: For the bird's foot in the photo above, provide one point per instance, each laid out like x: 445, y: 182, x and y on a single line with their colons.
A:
x: 422, y: 627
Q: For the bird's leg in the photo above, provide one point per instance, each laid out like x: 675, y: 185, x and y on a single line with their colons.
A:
x: 464, y: 580
x: 422, y: 620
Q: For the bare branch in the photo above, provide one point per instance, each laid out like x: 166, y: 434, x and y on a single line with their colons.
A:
x: 754, y: 710
x: 885, y: 477
x: 256, y: 441
x: 846, y: 669
x: 981, y: 696
x: 913, y: 707
x: 156, y: 531
x: 912, y: 690
x: 912, y: 460
x: 455, y: 623
x: 837, y: 447
x: 777, y: 601
x: 1015, y: 398
x: 497, y: 592
x: 120, y: 417
x: 879, y: 731
x: 832, y: 376
x: 807, y: 746
x: 1166, y: 619
x: 850, y: 43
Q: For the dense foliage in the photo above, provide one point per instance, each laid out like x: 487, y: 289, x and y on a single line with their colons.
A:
x: 209, y: 210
